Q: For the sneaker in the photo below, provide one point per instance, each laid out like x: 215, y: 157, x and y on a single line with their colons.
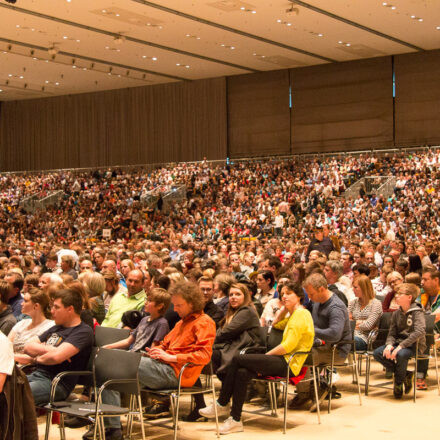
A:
x: 298, y: 401
x: 209, y: 411
x: 156, y: 410
x: 408, y: 382
x: 421, y: 385
x: 110, y: 434
x: 230, y: 425
x: 398, y: 390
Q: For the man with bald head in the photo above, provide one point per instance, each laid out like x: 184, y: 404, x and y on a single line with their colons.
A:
x: 133, y: 298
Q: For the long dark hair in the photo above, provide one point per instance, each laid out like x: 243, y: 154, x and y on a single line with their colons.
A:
x: 247, y: 302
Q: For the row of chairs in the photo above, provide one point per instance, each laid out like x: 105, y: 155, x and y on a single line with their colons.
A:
x: 117, y: 370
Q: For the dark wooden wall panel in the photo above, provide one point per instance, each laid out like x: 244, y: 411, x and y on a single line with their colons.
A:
x: 155, y: 124
x: 342, y: 106
x: 259, y: 114
x: 417, y: 98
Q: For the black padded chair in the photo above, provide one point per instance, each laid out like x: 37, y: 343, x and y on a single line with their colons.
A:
x: 109, y: 335
x: 115, y: 370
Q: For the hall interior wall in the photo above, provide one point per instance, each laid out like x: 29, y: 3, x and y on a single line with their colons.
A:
x: 329, y: 107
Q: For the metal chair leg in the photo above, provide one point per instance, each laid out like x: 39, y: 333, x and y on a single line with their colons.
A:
x: 436, y: 368
x: 315, y: 386
x: 286, y: 385
x: 176, y: 414
x: 367, y: 373
x: 356, y: 372
x: 141, y: 415
x: 62, y: 428
x: 214, y: 402
x: 48, y: 422
x: 331, y: 382
x: 269, y: 387
x: 415, y: 375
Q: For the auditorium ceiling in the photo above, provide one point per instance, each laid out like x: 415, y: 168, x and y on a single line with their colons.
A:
x: 61, y: 47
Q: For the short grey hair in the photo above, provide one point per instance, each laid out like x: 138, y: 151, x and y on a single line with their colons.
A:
x: 316, y: 280
x: 336, y: 267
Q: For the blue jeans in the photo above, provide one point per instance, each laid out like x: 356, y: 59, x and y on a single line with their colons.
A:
x: 152, y: 374
x: 40, y: 383
x: 361, y: 345
x: 399, y: 365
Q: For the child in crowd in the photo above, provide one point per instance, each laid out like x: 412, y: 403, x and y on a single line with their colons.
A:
x: 406, y: 329
x: 153, y: 328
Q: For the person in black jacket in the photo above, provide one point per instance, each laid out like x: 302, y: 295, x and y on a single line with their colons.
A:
x: 206, y: 285
x: 239, y: 328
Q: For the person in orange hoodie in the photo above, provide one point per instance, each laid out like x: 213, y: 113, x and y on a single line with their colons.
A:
x: 190, y: 340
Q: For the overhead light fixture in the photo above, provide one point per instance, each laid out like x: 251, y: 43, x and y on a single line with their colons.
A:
x: 118, y: 39
x: 53, y: 50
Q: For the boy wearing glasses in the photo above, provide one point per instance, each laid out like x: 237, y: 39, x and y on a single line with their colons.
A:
x: 406, y: 328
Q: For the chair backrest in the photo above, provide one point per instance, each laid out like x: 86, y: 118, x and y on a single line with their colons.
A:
x: 430, y: 323
x: 117, y: 364
x: 274, y: 338
x: 383, y: 328
x: 109, y: 335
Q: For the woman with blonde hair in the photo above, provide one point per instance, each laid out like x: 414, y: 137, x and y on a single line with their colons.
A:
x: 94, y: 284
x: 365, y: 309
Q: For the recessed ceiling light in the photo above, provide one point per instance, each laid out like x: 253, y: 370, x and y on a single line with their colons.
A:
x: 73, y: 67
x: 420, y: 19
x: 104, y: 11
x: 21, y: 77
x: 320, y: 35
x: 17, y: 25
x: 154, y: 59
x: 438, y: 28
x: 10, y: 75
x: 57, y: 83
x: 1, y: 90
x: 65, y: 37
x: 78, y: 41
x: 339, y: 42
x: 47, y: 82
x: 118, y: 15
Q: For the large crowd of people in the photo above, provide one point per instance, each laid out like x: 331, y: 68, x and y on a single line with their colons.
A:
x: 255, y: 245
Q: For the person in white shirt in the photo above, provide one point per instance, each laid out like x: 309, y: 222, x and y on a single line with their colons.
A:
x: 6, y: 360
x: 36, y: 305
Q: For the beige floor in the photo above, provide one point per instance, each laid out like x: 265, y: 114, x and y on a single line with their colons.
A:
x: 379, y: 417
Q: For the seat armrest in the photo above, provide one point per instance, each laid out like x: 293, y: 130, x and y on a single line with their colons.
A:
x: 59, y: 376
x: 253, y: 350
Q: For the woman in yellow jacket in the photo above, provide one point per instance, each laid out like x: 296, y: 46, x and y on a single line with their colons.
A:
x: 298, y: 335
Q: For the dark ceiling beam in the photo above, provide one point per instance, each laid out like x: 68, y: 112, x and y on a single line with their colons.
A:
x: 93, y: 60
x: 354, y: 24
x: 127, y: 38
x: 233, y: 30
